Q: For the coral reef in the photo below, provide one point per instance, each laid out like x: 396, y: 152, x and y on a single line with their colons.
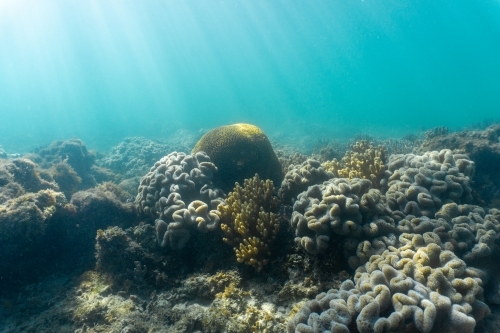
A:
x: 298, y: 178
x: 417, y: 281
x: 248, y: 221
x: 339, y: 207
x: 328, y: 150
x: 436, y: 132
x: 98, y: 208
x: 65, y: 177
x: 364, y: 160
x: 483, y: 147
x: 134, y: 156
x: 26, y: 174
x: 405, y: 145
x: 414, y: 230
x: 416, y: 286
x: 469, y: 231
x: 420, y: 184
x: 41, y: 232
x: 289, y: 161
x: 173, y: 181
x: 74, y: 152
x: 25, y: 231
x: 472, y: 232
x: 239, y: 151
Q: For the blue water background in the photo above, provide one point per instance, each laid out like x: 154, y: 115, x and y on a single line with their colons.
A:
x: 104, y: 70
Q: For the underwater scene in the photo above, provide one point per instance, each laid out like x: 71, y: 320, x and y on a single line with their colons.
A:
x: 204, y: 166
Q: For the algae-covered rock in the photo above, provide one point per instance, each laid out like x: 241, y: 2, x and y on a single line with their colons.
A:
x: 26, y: 237
x: 240, y: 151
x: 74, y: 152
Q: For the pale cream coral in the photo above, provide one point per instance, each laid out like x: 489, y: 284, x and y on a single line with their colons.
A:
x: 346, y: 207
x: 418, y: 279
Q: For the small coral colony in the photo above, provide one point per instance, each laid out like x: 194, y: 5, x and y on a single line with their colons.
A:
x: 416, y: 234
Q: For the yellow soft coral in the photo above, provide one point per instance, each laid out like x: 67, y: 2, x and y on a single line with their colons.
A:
x: 248, y: 222
x: 363, y: 161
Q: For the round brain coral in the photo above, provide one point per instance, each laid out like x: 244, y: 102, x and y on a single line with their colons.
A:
x: 240, y: 151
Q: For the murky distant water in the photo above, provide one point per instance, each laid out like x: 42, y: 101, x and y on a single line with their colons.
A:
x: 103, y: 70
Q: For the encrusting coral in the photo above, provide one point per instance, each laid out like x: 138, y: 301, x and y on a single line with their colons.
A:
x: 363, y: 161
x: 239, y: 151
x: 248, y: 221
x: 177, y: 192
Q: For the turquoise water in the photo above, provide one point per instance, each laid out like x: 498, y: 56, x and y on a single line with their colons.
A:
x: 103, y: 70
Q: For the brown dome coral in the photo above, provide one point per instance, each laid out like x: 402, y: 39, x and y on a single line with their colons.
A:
x: 240, y: 151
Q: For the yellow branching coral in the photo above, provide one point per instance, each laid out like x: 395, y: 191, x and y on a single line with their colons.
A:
x: 248, y: 222
x: 363, y: 161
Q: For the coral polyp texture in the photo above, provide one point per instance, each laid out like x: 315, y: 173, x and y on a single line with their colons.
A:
x: 178, y: 193
x: 299, y: 177
x: 417, y: 286
x: 421, y: 184
x: 248, y: 221
x: 364, y: 160
x: 472, y: 232
x: 423, y: 255
x: 239, y: 151
x: 483, y: 147
x: 342, y: 207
